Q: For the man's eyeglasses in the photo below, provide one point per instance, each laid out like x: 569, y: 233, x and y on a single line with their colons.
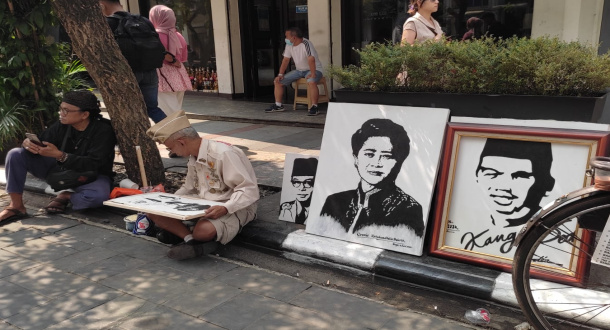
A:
x: 306, y: 184
x: 66, y: 111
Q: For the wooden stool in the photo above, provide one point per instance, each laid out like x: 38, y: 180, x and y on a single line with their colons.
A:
x: 302, y: 83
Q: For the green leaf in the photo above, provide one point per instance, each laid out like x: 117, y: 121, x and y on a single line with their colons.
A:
x: 38, y: 19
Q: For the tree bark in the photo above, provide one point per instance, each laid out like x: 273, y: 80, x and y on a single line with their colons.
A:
x: 93, y: 42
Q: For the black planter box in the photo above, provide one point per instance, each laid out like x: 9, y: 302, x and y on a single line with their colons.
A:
x: 565, y: 108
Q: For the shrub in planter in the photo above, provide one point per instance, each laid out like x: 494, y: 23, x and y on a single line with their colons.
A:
x: 516, y: 66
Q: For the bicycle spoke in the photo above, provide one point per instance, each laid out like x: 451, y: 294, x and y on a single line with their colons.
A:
x: 544, y: 251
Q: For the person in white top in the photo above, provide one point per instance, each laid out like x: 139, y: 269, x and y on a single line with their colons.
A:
x: 307, y: 64
x: 421, y: 26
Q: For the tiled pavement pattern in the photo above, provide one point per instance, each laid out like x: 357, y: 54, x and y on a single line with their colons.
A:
x: 62, y: 273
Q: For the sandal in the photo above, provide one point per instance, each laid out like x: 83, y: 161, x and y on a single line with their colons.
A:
x: 17, y: 215
x: 57, y: 205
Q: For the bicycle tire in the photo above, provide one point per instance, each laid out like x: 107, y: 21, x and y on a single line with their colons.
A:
x: 549, y: 305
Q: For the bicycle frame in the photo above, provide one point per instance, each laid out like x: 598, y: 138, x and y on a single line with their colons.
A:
x: 558, y: 203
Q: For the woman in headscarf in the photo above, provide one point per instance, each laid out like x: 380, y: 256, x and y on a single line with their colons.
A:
x: 173, y: 78
x: 81, y: 141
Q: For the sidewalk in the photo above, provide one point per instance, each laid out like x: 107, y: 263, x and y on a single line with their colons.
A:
x: 63, y: 273
x: 265, y: 139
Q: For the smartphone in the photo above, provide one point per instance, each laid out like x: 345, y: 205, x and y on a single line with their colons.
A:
x: 34, y: 139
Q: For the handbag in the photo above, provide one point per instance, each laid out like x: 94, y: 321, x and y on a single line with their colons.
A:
x: 60, y: 178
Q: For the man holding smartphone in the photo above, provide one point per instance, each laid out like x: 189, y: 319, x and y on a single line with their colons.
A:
x: 80, y: 141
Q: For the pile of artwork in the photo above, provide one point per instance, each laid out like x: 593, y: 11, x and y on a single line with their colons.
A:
x: 377, y: 173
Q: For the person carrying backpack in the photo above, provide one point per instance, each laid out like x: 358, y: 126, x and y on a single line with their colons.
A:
x: 141, y: 46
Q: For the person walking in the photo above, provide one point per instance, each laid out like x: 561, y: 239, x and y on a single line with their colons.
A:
x: 308, y: 66
x: 146, y: 77
x: 173, y: 78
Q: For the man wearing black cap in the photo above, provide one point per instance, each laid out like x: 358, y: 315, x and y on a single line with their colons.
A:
x: 303, y: 178
x: 81, y: 141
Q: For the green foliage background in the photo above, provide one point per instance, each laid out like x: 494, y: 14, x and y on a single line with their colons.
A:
x: 34, y: 70
x: 521, y: 66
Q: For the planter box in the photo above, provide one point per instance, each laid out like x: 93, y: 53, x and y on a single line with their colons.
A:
x: 565, y: 108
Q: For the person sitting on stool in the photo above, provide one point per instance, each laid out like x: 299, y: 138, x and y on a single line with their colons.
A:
x: 308, y: 66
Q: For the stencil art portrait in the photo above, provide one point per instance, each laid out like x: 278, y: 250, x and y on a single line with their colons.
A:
x: 514, y: 177
x: 379, y: 149
x: 302, y: 181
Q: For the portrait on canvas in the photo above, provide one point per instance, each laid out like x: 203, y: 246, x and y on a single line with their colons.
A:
x: 501, y: 183
x: 376, y: 175
x: 297, y: 187
x: 495, y: 178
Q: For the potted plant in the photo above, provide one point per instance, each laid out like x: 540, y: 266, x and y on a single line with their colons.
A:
x: 541, y: 78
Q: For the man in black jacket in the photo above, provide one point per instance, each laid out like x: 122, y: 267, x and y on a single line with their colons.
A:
x: 81, y: 141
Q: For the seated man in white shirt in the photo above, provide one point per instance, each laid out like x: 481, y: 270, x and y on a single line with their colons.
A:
x: 308, y: 66
x: 217, y: 172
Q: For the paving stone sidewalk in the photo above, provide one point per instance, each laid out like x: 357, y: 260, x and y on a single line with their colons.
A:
x: 60, y: 272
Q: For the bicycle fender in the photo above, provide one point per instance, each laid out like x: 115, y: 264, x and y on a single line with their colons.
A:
x: 552, y: 206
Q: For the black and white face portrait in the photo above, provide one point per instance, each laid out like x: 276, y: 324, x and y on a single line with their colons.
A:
x: 506, y: 182
x: 304, y: 187
x: 375, y: 160
x: 500, y: 183
x: 376, y: 175
x: 514, y: 176
x: 297, y: 188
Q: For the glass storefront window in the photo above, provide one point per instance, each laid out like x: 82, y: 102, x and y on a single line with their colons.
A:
x: 194, y: 22
x: 367, y: 21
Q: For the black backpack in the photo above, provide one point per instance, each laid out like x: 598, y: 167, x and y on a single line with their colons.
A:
x: 139, y: 42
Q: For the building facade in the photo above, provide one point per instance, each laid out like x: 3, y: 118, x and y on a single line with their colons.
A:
x: 243, y: 40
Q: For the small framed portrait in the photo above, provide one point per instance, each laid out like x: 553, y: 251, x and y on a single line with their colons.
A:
x: 495, y: 178
x: 376, y: 175
x: 297, y: 187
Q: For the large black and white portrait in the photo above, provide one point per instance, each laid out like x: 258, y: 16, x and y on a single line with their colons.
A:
x: 376, y: 175
x: 495, y: 178
x: 297, y: 187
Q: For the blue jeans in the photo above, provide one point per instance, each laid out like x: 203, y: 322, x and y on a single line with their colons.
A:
x: 20, y: 161
x: 149, y: 85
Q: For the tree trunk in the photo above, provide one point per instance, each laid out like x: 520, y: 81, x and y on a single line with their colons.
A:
x: 94, y: 44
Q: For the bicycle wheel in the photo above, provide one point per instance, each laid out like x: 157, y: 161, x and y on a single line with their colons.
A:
x: 552, y: 305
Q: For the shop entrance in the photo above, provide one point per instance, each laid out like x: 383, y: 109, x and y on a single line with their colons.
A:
x: 262, y: 30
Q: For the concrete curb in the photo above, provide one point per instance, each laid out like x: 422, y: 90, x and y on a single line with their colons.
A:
x: 425, y: 271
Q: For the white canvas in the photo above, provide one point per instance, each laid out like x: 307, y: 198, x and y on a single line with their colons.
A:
x: 297, y: 187
x: 338, y: 176
x: 169, y: 205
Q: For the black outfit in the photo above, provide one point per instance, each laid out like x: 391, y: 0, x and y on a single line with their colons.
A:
x: 387, y: 206
x: 91, y: 149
